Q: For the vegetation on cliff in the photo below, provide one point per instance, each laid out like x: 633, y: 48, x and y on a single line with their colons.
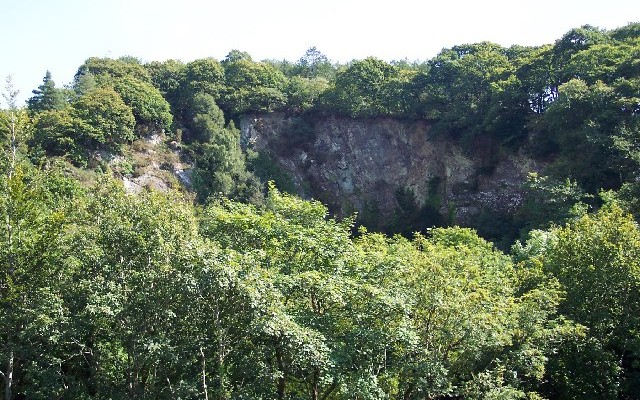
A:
x: 252, y: 293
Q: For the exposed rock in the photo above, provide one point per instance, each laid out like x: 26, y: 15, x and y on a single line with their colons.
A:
x: 351, y: 164
x: 145, y: 181
x: 157, y: 167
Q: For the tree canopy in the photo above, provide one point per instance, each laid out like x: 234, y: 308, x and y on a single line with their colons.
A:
x: 242, y: 291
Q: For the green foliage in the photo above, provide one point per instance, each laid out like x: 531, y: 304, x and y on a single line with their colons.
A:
x: 55, y: 132
x: 279, y: 302
x: 535, y: 71
x: 202, y: 76
x: 461, y: 307
x: 548, y: 201
x: 104, y: 68
x: 109, y: 295
x: 167, y: 76
x: 508, y: 113
x: 146, y: 102
x: 594, y: 127
x: 629, y: 32
x: 368, y: 88
x: 205, y: 118
x: 304, y: 93
x: 411, y: 217
x: 103, y: 118
x: 314, y: 64
x: 595, y: 259
x: 98, y: 119
x: 251, y: 86
x: 46, y: 97
x: 267, y: 169
x: 220, y: 167
x: 460, y: 84
x: 573, y: 42
x: 132, y: 82
x: 84, y: 84
x: 32, y: 313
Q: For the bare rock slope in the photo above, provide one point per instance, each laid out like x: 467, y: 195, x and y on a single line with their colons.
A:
x: 353, y: 164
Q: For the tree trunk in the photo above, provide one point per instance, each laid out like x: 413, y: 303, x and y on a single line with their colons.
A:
x: 8, y: 378
x: 282, y: 381
x: 204, y: 375
x: 11, y: 97
x: 315, y: 392
x: 8, y: 375
x: 330, y: 390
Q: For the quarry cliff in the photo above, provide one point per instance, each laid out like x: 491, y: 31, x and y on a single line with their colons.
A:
x: 383, y: 166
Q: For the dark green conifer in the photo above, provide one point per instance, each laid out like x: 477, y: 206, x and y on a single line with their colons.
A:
x: 46, y: 96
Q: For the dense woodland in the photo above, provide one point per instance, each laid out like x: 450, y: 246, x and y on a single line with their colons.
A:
x: 243, y: 291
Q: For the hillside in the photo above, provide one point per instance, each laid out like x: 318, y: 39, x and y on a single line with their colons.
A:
x: 473, y: 235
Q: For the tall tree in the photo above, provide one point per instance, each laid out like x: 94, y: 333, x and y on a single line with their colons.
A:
x: 146, y: 102
x: 251, y: 86
x: 46, y: 96
x: 596, y: 260
x: 220, y: 167
x: 314, y: 64
x: 367, y: 88
x: 31, y: 311
x: 103, y: 119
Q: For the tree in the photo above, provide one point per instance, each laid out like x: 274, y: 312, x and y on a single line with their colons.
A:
x: 550, y: 202
x: 220, y: 170
x: 13, y: 126
x: 220, y: 167
x: 572, y: 42
x: 463, y: 328
x: 124, y: 288
x: 30, y: 306
x: 204, y: 118
x: 167, y: 76
x: 303, y: 93
x: 102, y: 118
x: 146, y: 103
x: 599, y: 62
x: 306, y: 257
x: 202, y: 76
x: 314, y: 64
x: 107, y: 68
x: 364, y: 89
x: 588, y: 124
x: 236, y: 55
x: 461, y: 82
x: 595, y: 259
x: 54, y: 132
x: 84, y: 84
x: 32, y: 313
x: 535, y: 71
x: 46, y: 97
x: 251, y: 86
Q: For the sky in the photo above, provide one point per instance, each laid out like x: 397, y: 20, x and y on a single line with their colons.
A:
x: 59, y: 35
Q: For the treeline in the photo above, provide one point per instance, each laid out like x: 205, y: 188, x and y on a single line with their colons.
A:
x: 105, y: 295
x: 254, y: 294
x: 573, y: 103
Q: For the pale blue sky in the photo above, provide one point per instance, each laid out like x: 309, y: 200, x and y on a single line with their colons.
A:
x: 58, y: 35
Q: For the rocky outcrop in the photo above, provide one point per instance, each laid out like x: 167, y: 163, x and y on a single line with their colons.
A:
x: 352, y: 164
x: 153, y: 165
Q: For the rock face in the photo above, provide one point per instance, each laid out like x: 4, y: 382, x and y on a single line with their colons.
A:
x: 157, y: 166
x: 356, y: 165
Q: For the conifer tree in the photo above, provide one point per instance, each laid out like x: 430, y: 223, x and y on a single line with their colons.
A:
x: 46, y: 96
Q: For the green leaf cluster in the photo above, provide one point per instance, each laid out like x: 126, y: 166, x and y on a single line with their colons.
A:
x: 147, y: 296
